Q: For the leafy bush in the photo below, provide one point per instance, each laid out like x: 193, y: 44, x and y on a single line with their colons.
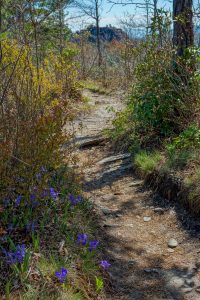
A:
x: 161, y: 103
x: 35, y: 104
x: 163, y: 98
x: 184, y: 148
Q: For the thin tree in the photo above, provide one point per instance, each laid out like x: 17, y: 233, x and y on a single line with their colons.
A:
x: 149, y: 6
x: 92, y: 9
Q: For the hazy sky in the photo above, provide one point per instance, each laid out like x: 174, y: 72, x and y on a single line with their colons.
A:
x: 113, y: 16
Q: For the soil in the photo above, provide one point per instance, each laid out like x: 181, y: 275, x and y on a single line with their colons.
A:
x: 136, y: 224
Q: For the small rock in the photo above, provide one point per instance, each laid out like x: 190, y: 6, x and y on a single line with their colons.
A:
x: 177, y: 282
x: 106, y: 211
x: 147, y: 219
x: 119, y: 215
x: 172, y: 243
x: 187, y: 290
x: 151, y: 271
x: 159, y: 210
x: 189, y: 282
x: 170, y: 250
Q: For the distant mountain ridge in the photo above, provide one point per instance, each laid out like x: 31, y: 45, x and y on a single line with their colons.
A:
x: 107, y: 34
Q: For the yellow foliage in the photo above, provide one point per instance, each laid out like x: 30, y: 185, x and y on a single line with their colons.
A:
x: 36, y: 101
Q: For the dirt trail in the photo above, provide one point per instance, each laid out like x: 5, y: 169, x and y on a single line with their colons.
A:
x: 136, y: 224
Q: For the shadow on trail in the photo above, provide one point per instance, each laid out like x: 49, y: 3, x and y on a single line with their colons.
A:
x: 146, y: 278
x: 109, y: 176
x: 187, y: 221
x: 132, y: 281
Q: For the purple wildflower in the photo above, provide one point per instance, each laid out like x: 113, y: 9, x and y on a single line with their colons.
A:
x: 105, y: 264
x: 74, y: 200
x: 16, y: 256
x: 82, y: 239
x: 18, y: 200
x: 93, y: 245
x: 53, y: 193
x: 61, y: 275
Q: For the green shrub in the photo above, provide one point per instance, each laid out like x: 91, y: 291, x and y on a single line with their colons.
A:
x: 163, y: 99
x: 184, y: 148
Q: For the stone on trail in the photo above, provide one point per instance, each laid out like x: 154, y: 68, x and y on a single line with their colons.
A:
x: 159, y: 210
x: 114, y: 158
x: 177, y: 281
x: 170, y: 250
x: 172, y: 243
x: 147, y: 219
x: 187, y: 290
x: 106, y: 211
x: 152, y: 271
x: 89, y: 141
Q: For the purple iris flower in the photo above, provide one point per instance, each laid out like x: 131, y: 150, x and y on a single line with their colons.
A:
x: 18, y: 200
x: 105, y: 264
x: 53, y: 193
x: 93, y: 245
x: 82, y: 239
x: 61, y: 275
x: 16, y: 256
x: 74, y: 200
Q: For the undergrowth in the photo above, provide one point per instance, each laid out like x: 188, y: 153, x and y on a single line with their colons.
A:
x: 162, y: 113
x: 48, y: 246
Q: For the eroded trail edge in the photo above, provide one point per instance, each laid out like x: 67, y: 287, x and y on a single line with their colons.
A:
x: 137, y: 226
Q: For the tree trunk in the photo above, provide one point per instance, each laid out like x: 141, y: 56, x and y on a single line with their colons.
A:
x: 183, y: 35
x: 98, y: 34
x: 61, y: 26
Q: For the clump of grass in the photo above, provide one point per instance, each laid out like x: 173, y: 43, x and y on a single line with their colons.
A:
x: 179, y: 159
x: 146, y: 162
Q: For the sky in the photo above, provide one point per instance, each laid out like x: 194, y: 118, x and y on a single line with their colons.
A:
x: 111, y: 15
